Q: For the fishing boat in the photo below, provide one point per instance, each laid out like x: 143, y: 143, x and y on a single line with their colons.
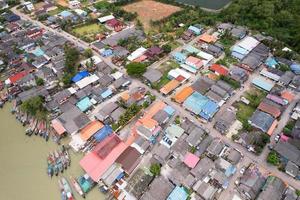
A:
x: 77, y: 187
x: 56, y: 170
x: 63, y: 195
x: 50, y: 171
x: 67, y: 188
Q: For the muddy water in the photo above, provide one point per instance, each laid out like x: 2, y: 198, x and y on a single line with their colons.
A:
x: 23, y: 164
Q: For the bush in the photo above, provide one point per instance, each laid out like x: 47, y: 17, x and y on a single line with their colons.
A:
x: 155, y: 169
x: 136, y: 69
x: 39, y: 81
x: 273, y: 158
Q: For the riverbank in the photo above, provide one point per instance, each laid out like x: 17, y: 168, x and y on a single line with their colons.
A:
x: 208, y: 5
x: 23, y: 164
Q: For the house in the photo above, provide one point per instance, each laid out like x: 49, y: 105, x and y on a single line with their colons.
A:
x: 273, y: 189
x: 80, y: 12
x: 183, y: 94
x: 161, y: 153
x: 73, y: 4
x: 224, y: 122
x: 129, y: 159
x: 136, y: 54
x: 179, y: 57
x: 106, y: 18
x: 160, y: 188
x: 288, y: 152
x: 169, y: 87
x: 262, y: 121
x: 90, y: 129
x: 28, y: 6
x: 120, y: 51
x: 238, y: 32
x: 179, y: 193
x: 195, y: 136
x: 223, y: 27
x: 219, y: 70
x: 202, y: 168
x: 271, y: 74
x: 263, y: 84
x: 205, y: 190
x: 172, y: 133
x: 286, y: 78
x: 195, y: 30
x: 141, y: 144
x: 154, y: 51
x: 207, y: 38
x: 238, y: 74
x: 214, y: 49
x: 251, y: 183
x: 268, y: 108
x: 106, y: 111
x: 202, y: 85
x: 194, y: 62
x: 215, y: 148
x: 295, y: 84
x: 295, y: 67
x: 152, y: 75
x: 27, y: 81
x: 11, y: 17
x: 187, y: 35
x: 114, y: 24
x: 292, y: 169
x: 244, y: 47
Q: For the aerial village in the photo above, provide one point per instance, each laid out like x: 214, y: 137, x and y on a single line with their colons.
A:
x: 215, y: 116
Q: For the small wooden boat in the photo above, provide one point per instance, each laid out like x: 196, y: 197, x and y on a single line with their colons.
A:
x: 67, y: 188
x: 50, y: 171
x: 77, y: 187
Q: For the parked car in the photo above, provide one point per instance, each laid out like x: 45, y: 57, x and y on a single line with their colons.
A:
x: 242, y: 170
x: 277, y: 137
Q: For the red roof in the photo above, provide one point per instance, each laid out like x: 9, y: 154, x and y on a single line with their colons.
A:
x: 96, y: 166
x: 129, y: 159
x: 18, y: 76
x: 272, y: 110
x: 113, y: 23
x: 219, y: 69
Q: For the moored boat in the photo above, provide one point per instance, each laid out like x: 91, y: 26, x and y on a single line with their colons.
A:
x: 77, y: 187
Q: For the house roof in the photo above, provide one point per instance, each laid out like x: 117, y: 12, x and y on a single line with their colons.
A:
x: 219, y: 69
x: 169, y: 87
x: 89, y: 130
x: 179, y: 193
x: 275, y: 112
x: 129, y: 159
x: 191, y: 160
x: 263, y: 83
x: 160, y: 188
x: 208, y: 38
x: 102, y: 157
x: 152, y: 75
x: 288, y: 151
x: 261, y: 120
x: 183, y: 94
x: 58, y: 127
x: 18, y: 76
x: 287, y: 95
x: 273, y: 189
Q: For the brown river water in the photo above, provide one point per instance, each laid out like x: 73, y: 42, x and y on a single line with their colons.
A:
x: 23, y: 164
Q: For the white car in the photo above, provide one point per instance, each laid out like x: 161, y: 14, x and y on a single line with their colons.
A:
x: 277, y: 137
x: 242, y: 170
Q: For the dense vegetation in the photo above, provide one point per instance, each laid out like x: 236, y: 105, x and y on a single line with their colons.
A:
x: 71, y: 62
x: 34, y: 107
x: 136, y: 69
x: 277, y: 18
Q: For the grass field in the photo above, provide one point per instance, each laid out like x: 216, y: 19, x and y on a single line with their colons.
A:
x: 148, y: 10
x: 88, y: 32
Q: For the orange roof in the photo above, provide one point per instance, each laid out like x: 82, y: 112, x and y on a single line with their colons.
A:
x: 213, y: 76
x: 125, y: 96
x: 157, y: 106
x: 207, y: 38
x: 90, y: 130
x: 183, y: 94
x: 170, y: 86
x: 289, y: 96
x: 140, y: 59
x: 58, y: 127
x: 272, y: 128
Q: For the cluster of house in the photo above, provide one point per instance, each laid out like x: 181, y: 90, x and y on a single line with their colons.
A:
x: 193, y: 164
x: 253, y: 184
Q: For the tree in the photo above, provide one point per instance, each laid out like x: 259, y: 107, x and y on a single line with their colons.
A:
x: 273, y: 158
x: 155, y: 169
x: 136, y: 69
x: 298, y: 192
x: 167, y: 48
x: 39, y: 81
x: 34, y: 107
x: 88, y: 53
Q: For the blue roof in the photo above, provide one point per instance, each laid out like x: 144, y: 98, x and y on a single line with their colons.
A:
x: 237, y: 55
x: 271, y: 62
x: 80, y: 75
x: 209, y: 109
x: 38, y: 52
x: 295, y: 67
x: 103, y: 133
x: 195, y: 102
x: 84, y: 104
x: 65, y: 13
x: 195, y: 29
x: 179, y: 193
x: 230, y: 170
x: 263, y: 84
x: 239, y: 50
x: 179, y: 56
x: 107, y: 52
x: 169, y: 110
x: 191, y: 49
x: 106, y: 93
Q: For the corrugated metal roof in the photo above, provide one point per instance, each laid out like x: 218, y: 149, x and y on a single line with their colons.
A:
x: 183, y: 94
x: 170, y: 86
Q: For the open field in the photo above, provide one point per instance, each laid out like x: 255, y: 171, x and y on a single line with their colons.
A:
x: 88, y: 32
x: 148, y: 10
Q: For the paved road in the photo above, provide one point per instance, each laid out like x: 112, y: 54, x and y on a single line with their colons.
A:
x: 248, y: 157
